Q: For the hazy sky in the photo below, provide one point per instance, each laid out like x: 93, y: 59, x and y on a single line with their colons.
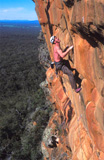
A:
x: 17, y: 10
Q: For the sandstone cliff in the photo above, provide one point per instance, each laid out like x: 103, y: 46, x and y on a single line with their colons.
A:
x: 78, y: 119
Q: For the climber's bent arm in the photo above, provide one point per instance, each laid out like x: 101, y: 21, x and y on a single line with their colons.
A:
x: 63, y: 54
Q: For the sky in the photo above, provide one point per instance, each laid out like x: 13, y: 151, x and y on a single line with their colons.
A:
x: 17, y: 10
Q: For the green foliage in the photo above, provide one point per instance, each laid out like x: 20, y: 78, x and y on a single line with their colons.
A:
x: 22, y: 101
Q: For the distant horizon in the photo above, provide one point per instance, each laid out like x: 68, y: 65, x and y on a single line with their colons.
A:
x: 18, y: 20
x: 17, y: 10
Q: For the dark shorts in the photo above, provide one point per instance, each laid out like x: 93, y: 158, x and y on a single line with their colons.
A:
x: 59, y: 65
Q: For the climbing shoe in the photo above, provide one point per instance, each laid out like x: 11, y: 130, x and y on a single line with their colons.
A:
x: 78, y: 90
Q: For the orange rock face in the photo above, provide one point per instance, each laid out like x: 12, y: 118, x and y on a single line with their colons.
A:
x: 78, y: 119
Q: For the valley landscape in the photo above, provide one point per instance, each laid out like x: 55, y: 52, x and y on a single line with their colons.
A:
x: 23, y: 113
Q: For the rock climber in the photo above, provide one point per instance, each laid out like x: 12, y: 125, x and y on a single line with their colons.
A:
x: 60, y: 62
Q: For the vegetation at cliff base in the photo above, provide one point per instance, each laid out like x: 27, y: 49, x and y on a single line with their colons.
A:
x: 23, y: 110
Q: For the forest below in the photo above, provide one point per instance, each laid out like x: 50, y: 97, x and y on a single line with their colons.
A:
x: 22, y: 101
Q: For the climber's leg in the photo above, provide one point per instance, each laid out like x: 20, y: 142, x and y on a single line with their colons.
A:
x: 58, y: 66
x: 67, y: 71
x: 61, y: 66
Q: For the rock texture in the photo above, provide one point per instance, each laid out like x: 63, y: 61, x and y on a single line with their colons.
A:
x: 44, y: 56
x: 78, y: 119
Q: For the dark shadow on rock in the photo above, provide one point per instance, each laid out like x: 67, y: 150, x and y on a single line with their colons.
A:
x: 66, y: 63
x: 85, y: 35
x: 70, y: 112
x: 93, y: 37
x: 78, y: 80
x: 50, y: 26
x: 69, y: 4
x: 99, y: 37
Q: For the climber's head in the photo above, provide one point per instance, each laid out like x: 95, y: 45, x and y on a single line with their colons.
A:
x: 54, y: 40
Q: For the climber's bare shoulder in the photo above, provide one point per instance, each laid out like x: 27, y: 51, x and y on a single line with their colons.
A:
x: 57, y: 49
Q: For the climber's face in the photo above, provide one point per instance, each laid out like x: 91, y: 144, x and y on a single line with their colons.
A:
x: 57, y: 40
